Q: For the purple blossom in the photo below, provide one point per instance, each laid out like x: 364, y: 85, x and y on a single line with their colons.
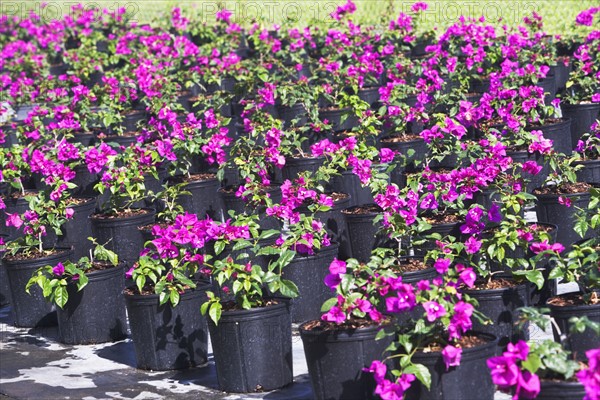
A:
x: 434, y: 310
x: 59, y: 269
x: 590, y: 376
x: 335, y: 314
x: 451, y: 356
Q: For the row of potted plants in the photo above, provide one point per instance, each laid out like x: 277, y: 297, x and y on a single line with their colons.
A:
x: 226, y: 171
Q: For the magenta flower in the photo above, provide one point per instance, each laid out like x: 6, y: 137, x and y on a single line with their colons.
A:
x: 223, y: 15
x: 472, y: 245
x: 59, y: 269
x: 532, y: 167
x: 528, y: 386
x: 441, y: 265
x: 590, y: 376
x: 434, y: 310
x: 520, y: 349
x: 565, y: 201
x: 451, y: 356
x: 14, y: 220
x: 335, y: 314
x: 494, y: 214
x: 505, y: 372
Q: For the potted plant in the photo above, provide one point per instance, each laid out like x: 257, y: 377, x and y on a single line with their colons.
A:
x: 588, y: 150
x: 27, y: 253
x: 347, y: 331
x: 170, y: 285
x: 541, y: 370
x: 122, y: 212
x: 256, y: 316
x: 89, y: 296
x: 434, y: 354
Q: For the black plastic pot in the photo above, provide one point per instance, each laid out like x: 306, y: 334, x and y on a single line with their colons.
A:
x: 561, y: 74
x: 533, y: 181
x: 85, y: 181
x: 31, y: 310
x: 13, y: 206
x: 166, y: 337
x: 363, y: 233
x: 590, y: 171
x: 369, y: 94
x: 77, y: 230
x: 560, y: 390
x: 122, y: 234
x: 417, y: 145
x: 96, y: 314
x: 549, y: 210
x: 336, y: 359
x: 294, y: 166
x: 349, y: 182
x: 204, y: 200
x: 582, y: 117
x: 4, y: 286
x: 239, y: 205
x: 341, y: 119
x: 471, y: 379
x: 500, y: 306
x: 479, y: 86
x: 577, y: 343
x: 308, y: 273
x: 445, y: 229
x: 253, y: 348
x: 295, y: 115
x: 131, y: 120
x: 559, y: 133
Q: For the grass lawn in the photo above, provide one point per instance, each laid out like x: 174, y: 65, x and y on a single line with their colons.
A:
x: 558, y: 14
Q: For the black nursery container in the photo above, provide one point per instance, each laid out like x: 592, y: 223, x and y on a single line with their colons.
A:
x: 341, y: 119
x: 363, y: 232
x: 470, y: 380
x: 590, y: 172
x: 582, y: 117
x: 203, y: 199
x: 534, y: 181
x: 77, y: 230
x: 576, y: 343
x: 122, y: 234
x: 548, y: 209
x: 336, y: 359
x: 294, y: 166
x: 253, y: 348
x: 560, y: 390
x: 559, y: 133
x: 500, y: 305
x: 30, y: 311
x: 4, y: 286
x: 308, y: 273
x: 166, y: 337
x: 96, y: 314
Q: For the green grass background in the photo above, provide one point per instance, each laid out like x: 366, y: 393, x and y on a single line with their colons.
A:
x: 558, y: 14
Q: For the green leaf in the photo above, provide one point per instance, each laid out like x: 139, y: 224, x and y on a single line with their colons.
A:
x: 215, y: 312
x: 219, y: 247
x: 288, y: 288
x: 328, y: 304
x: 174, y: 297
x: 61, y: 296
x: 533, y: 363
x: 421, y: 372
x: 536, y: 277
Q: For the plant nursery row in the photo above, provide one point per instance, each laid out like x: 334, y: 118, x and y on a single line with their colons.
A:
x: 406, y: 199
